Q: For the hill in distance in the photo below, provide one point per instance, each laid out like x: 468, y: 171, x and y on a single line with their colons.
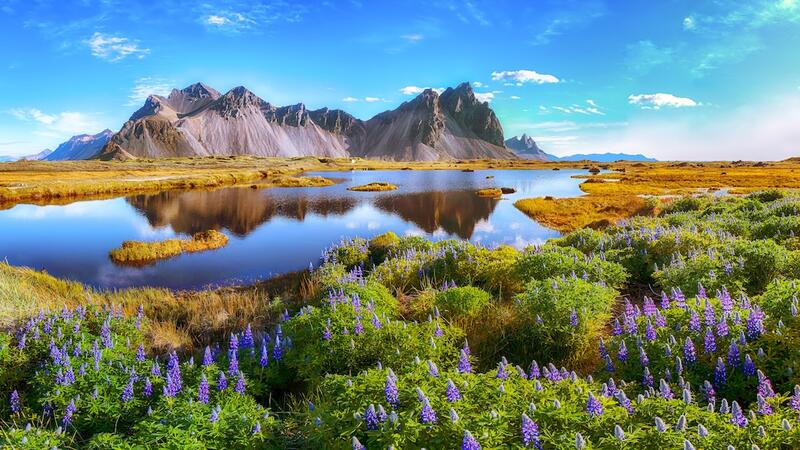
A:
x: 526, y: 147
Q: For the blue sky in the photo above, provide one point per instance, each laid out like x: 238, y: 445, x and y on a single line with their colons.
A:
x: 674, y: 79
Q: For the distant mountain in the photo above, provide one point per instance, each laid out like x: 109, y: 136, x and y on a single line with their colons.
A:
x: 199, y: 121
x: 41, y: 155
x: 83, y: 146
x: 525, y: 147
x: 604, y: 157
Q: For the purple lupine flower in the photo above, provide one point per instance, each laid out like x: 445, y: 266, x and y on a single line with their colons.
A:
x: 451, y: 392
x: 208, y: 357
x: 764, y: 385
x: 264, y: 359
x: 709, y: 343
x: 464, y: 365
x: 501, y: 371
x: 593, y: 406
x: 68, y: 413
x: 694, y: 322
x: 105, y: 334
x: 222, y: 381
x: 795, y: 401
x: 602, y: 349
x: 749, y: 367
x: 647, y: 378
x: 202, y: 390
x: 140, y: 353
x: 427, y: 415
x: 214, y: 418
x: 616, y: 329
x: 664, y: 390
x: 709, y: 315
x: 648, y: 306
x: 233, y: 363
x: 530, y: 433
x: 147, y: 391
x: 737, y: 417
x: 371, y: 418
x: 469, y: 442
x: 664, y: 300
x: 359, y: 327
x: 14, y: 402
x: 432, y: 369
x: 327, y: 334
x: 725, y: 300
x: 734, y: 355
x: 256, y: 428
x: 722, y: 327
x: 689, y: 354
x: 233, y: 344
x: 239, y: 388
x: 534, y: 371
x: 764, y: 408
x: 624, y: 401
x: 357, y: 444
x: 643, y: 359
x: 390, y: 391
x: 139, y: 316
x: 277, y: 351
x: 376, y: 322
x: 755, y: 325
x: 650, y: 332
x: 573, y: 318
x: 127, y: 391
x: 720, y: 373
x: 247, y: 338
x: 709, y: 392
x: 661, y: 320
x: 609, y: 365
x: 437, y: 331
x: 701, y: 291
x: 622, y: 353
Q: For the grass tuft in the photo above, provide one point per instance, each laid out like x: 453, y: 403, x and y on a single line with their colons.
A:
x: 138, y: 252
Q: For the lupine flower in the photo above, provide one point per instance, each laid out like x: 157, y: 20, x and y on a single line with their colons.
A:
x: 764, y: 385
x: 427, y: 415
x: 755, y: 325
x: 376, y: 322
x: 14, y: 402
x: 618, y: 433
x: 764, y: 408
x: 357, y: 445
x: 534, y: 371
x: 438, y: 332
x: 733, y: 355
x: 737, y: 417
x: 469, y: 442
x: 371, y: 418
x: 140, y: 353
x: 694, y: 322
x: 239, y: 388
x: 222, y: 381
x: 214, y: 418
x: 643, y: 359
x: 622, y: 353
x: 530, y: 433
x: 208, y: 357
x: 688, y: 352
x: 432, y: 369
x: 580, y: 442
x: 453, y: 415
x: 451, y: 393
x: 593, y: 406
x: 664, y: 390
x: 647, y: 378
x: 660, y: 425
x: 233, y: 363
x: 127, y: 392
x: 749, y: 367
x: 795, y: 401
x: 247, y: 338
x: 573, y: 318
x: 390, y: 391
x: 68, y: 413
x: 202, y: 390
x: 709, y: 344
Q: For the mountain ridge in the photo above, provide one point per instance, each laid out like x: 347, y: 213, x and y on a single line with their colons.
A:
x: 199, y: 121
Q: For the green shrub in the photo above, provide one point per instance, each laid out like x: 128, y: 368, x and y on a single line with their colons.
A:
x: 462, y: 302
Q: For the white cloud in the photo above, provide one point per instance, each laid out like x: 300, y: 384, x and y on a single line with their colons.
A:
x: 413, y: 38
x: 372, y: 99
x: 366, y: 99
x: 147, y: 86
x: 115, y: 48
x: 688, y: 23
x: 349, y: 99
x: 217, y: 20
x: 414, y: 90
x: 484, y: 96
x: 660, y: 100
x: 515, y: 97
x: 228, y: 21
x: 59, y: 124
x: 478, y: 84
x: 520, y: 77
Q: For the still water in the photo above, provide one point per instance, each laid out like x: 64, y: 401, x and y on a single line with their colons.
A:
x: 272, y: 231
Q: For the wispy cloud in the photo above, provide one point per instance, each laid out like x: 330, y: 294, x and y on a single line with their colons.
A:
x: 147, y: 86
x: 349, y: 99
x: 240, y: 16
x: 115, y: 48
x: 484, y: 96
x: 520, y: 77
x: 560, y: 21
x: 57, y: 124
x: 661, y: 100
x: 589, y: 109
x: 365, y: 99
x: 644, y: 56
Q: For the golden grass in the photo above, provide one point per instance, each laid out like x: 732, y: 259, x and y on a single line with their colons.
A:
x: 138, y: 252
x: 377, y: 186
x: 178, y: 319
x: 489, y: 192
x: 594, y: 211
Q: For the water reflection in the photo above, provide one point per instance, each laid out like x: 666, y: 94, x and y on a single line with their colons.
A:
x: 272, y: 230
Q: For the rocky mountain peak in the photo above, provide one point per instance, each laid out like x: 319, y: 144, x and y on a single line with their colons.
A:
x: 526, y: 147
x: 199, y: 90
x: 237, y: 100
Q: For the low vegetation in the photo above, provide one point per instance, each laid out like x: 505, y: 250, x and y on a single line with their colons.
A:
x: 489, y: 192
x: 592, y: 211
x: 138, y: 252
x: 673, y: 330
x: 373, y: 187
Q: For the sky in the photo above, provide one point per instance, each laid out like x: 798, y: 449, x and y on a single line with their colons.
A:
x: 672, y: 79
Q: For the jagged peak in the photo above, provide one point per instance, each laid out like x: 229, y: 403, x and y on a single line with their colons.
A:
x: 198, y: 90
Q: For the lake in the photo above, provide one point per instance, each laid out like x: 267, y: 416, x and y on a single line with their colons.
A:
x: 273, y: 230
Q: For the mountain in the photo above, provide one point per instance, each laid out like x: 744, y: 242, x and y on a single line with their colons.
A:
x: 525, y: 147
x: 604, y: 157
x: 83, y: 146
x: 199, y: 121
x: 41, y: 155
